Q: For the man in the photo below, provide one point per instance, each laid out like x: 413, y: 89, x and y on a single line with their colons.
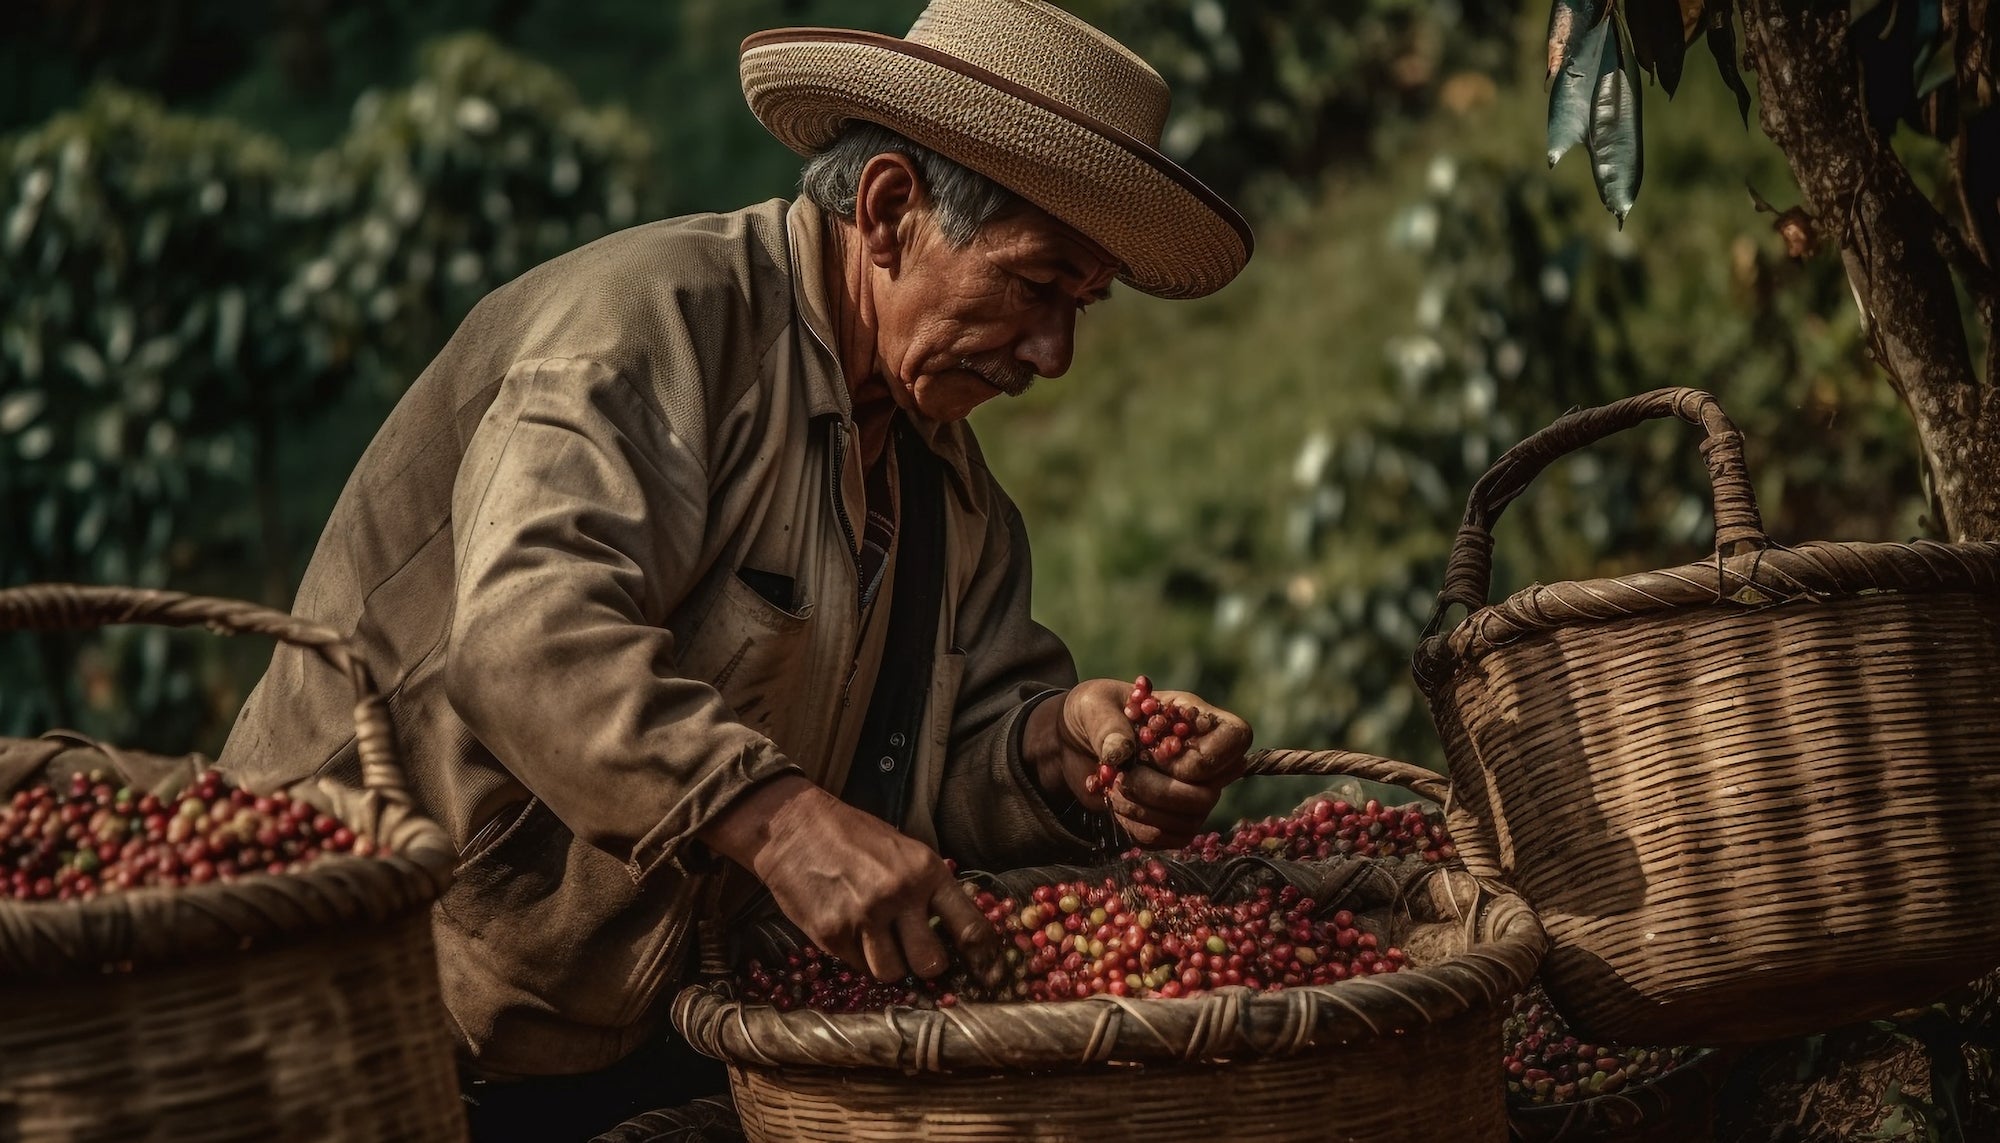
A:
x: 681, y: 551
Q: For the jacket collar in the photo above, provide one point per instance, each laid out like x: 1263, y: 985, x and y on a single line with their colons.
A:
x: 826, y: 385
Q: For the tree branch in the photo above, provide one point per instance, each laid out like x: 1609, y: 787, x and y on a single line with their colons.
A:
x: 1896, y: 247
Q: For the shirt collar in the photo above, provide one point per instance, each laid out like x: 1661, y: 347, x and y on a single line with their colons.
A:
x: 827, y: 387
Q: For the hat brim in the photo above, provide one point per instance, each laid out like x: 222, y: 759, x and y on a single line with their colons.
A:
x: 1174, y: 236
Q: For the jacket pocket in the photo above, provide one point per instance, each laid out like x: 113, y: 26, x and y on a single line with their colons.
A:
x: 550, y: 955
x: 752, y: 653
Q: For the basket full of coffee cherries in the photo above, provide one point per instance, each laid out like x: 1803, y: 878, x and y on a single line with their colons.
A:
x: 1264, y: 982
x: 155, y: 916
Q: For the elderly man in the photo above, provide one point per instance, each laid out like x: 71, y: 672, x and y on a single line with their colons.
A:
x: 681, y: 567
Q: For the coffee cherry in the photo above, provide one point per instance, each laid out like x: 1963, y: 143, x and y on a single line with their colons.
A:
x: 1329, y: 828
x: 91, y: 837
x: 1142, y: 940
x: 1546, y: 1064
x: 1164, y: 732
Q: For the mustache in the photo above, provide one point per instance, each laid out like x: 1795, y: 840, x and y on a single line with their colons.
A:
x: 1004, y: 372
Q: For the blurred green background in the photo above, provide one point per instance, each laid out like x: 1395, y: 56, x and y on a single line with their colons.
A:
x: 230, y: 233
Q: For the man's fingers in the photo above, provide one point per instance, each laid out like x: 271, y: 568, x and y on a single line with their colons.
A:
x: 1163, y: 793
x: 1094, y: 714
x: 922, y: 950
x: 883, y: 953
x: 1216, y: 752
x: 845, y: 950
x: 1152, y: 827
x: 970, y: 931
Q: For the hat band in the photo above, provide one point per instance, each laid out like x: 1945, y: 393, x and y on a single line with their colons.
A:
x: 1140, y: 149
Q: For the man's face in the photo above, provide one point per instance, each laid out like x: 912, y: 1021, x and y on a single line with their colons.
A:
x: 956, y: 328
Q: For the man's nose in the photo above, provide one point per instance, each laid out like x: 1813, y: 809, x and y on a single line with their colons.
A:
x: 1049, y: 344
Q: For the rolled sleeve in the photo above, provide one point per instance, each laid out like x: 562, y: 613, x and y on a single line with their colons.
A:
x: 576, y: 515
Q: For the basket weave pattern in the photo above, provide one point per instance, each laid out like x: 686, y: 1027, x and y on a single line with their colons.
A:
x: 1349, y: 1060
x: 298, y: 1006
x: 1411, y: 1085
x: 1737, y: 789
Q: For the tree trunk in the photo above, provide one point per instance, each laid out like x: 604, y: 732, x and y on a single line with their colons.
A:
x: 1891, y: 240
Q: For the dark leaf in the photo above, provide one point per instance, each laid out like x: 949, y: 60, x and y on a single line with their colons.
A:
x: 1927, y: 32
x: 1575, y: 86
x: 1690, y: 20
x: 1617, y: 154
x: 1885, y: 42
x: 1657, y: 40
x: 1939, y: 71
x: 1976, y: 153
x: 1719, y: 16
x: 1569, y: 21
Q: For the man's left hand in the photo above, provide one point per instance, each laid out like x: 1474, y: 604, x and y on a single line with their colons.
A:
x: 1156, y: 804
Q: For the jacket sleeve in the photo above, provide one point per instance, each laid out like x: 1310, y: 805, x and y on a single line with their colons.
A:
x: 576, y: 518
x: 990, y: 815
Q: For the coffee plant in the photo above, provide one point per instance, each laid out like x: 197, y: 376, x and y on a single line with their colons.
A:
x: 1290, y: 87
x: 187, y: 303
x: 1523, y: 314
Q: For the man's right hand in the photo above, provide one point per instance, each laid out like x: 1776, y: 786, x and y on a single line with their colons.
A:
x: 857, y: 887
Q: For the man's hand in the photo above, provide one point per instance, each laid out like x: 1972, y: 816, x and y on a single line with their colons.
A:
x: 1163, y: 804
x: 857, y: 888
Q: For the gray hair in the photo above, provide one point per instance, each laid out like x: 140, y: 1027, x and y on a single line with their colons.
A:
x: 962, y: 200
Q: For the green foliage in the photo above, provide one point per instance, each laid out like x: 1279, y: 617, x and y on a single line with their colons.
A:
x: 1291, y: 86
x: 185, y: 303
x: 1916, y: 68
x: 486, y: 166
x: 1254, y: 494
x: 132, y: 345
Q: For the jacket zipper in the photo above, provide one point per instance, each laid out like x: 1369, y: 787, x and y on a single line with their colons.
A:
x: 836, y: 486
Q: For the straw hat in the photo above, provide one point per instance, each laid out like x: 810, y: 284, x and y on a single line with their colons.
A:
x: 1029, y: 96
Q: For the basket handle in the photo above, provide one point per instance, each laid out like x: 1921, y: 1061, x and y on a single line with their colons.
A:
x: 1425, y: 783
x: 80, y: 607
x: 1468, y: 577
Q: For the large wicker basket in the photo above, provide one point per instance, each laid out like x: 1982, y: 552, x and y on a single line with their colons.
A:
x: 1414, y: 1055
x: 302, y: 1006
x: 1750, y: 797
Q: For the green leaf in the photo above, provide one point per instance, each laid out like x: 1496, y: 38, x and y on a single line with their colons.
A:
x: 1657, y: 43
x: 1929, y: 33
x: 1940, y: 69
x: 1569, y: 20
x: 1719, y: 16
x: 1575, y: 87
x: 1617, y: 153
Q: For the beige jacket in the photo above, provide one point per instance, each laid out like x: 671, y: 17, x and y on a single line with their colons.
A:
x: 538, y: 553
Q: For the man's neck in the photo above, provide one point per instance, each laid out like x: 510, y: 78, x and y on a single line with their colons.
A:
x: 845, y: 272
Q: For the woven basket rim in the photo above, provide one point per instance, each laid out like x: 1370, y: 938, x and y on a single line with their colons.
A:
x: 1813, y: 572
x: 1228, y: 1023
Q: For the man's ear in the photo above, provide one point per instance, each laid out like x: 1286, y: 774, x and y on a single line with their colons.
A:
x: 889, y: 192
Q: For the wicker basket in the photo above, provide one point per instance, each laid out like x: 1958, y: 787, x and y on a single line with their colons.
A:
x: 1375, y: 1058
x: 1679, y: 1107
x: 1750, y: 797
x: 302, y: 1006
